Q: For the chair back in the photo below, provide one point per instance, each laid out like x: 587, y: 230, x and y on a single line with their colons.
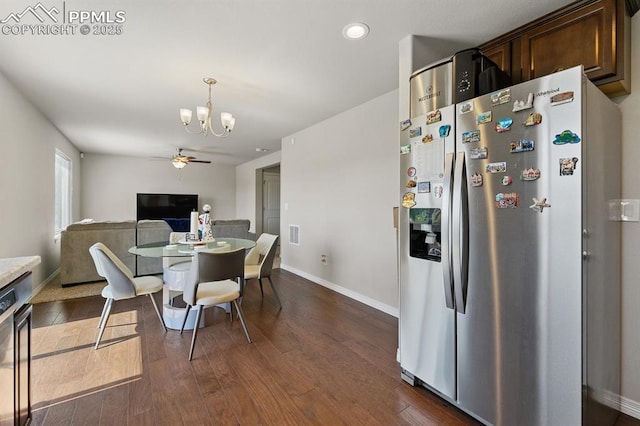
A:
x: 267, y: 244
x: 213, y: 266
x: 174, y: 237
x: 118, y: 276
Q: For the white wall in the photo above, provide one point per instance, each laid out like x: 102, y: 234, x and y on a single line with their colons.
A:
x: 28, y: 142
x: 246, y: 186
x: 339, y: 184
x: 631, y: 233
x: 110, y: 184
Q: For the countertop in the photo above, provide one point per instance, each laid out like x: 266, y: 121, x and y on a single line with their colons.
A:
x: 12, y: 267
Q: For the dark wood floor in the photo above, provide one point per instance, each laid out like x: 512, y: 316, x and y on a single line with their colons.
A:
x: 324, y: 359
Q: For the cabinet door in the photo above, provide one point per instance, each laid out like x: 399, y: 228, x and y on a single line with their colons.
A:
x: 585, y: 36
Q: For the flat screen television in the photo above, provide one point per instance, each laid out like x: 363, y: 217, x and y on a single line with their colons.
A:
x: 165, y: 206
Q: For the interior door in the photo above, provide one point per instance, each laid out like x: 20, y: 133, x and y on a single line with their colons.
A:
x: 271, y: 203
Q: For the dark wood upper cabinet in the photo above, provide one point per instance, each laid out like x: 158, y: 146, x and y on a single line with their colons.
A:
x: 588, y: 32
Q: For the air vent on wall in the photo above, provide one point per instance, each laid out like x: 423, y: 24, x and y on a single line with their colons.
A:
x: 294, y: 235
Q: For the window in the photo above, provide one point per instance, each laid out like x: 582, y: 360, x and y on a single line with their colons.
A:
x: 63, y: 192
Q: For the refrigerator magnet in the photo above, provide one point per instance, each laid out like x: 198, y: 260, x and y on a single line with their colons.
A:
x: 415, y: 132
x: 522, y: 145
x: 533, y: 119
x: 466, y: 107
x: 444, y: 130
x: 504, y: 125
x: 424, y: 187
x: 476, y: 179
x: 509, y: 200
x: 427, y: 138
x: 405, y: 125
x: 437, y: 190
x: 483, y: 118
x: 567, y: 166
x: 566, y: 137
x: 479, y: 153
x: 471, y: 136
x: 405, y: 149
x: 410, y: 184
x: 539, y: 204
x: 506, y: 180
x: 501, y: 97
x: 434, y: 117
x: 499, y: 167
x: 521, y: 105
x: 561, y: 98
x: 530, y: 174
x: 408, y: 200
x: 411, y: 171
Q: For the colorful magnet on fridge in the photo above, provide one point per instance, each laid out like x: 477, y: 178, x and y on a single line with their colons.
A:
x: 501, y: 97
x: 434, y: 117
x: 411, y: 171
x: 424, y: 187
x: 405, y: 149
x: 530, y: 174
x: 437, y: 190
x: 476, y: 179
x: 566, y: 137
x: 506, y: 180
x: 533, y: 119
x: 539, y: 204
x: 504, y: 125
x: 483, y: 118
x: 415, y: 132
x: 509, y: 200
x: 408, y: 200
x: 561, y: 98
x: 466, y: 107
x: 444, y: 130
x: 522, y: 145
x: 499, y: 167
x: 427, y: 138
x: 479, y: 153
x: 525, y: 104
x: 405, y: 125
x: 471, y: 136
x: 410, y: 184
x: 568, y: 166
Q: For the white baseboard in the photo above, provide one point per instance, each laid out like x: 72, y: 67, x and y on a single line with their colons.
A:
x: 630, y: 407
x: 345, y: 291
x: 45, y: 282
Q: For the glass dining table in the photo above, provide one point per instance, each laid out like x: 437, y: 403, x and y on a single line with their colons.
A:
x: 172, y: 312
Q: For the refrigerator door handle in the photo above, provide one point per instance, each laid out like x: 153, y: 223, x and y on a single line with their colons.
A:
x: 445, y: 238
x: 460, y: 233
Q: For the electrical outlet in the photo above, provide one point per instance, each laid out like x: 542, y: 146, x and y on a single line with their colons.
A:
x: 323, y: 259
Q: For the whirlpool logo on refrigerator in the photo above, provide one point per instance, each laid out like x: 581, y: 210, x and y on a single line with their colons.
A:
x: 56, y: 20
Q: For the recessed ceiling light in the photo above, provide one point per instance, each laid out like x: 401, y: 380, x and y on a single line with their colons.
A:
x: 355, y: 31
x: 261, y: 150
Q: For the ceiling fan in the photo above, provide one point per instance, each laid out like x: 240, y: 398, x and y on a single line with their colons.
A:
x: 180, y: 160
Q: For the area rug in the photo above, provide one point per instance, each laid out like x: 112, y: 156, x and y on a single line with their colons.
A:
x: 54, y: 291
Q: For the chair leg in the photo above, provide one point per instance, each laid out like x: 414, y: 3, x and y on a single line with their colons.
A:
x: 155, y: 305
x: 230, y: 312
x: 186, y: 315
x: 261, y: 290
x: 275, y: 293
x: 106, y: 311
x: 241, y: 316
x: 195, y: 331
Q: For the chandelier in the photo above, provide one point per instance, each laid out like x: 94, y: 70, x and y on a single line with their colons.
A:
x: 204, y: 116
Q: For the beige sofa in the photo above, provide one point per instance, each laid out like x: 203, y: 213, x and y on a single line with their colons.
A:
x: 76, y: 265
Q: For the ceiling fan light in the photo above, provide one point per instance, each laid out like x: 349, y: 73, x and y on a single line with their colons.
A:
x: 185, y: 115
x: 203, y: 113
x: 178, y: 164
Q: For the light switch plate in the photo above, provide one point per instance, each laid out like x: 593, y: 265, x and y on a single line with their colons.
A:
x: 625, y: 210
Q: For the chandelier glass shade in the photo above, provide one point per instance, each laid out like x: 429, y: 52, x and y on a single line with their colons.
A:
x: 204, y: 116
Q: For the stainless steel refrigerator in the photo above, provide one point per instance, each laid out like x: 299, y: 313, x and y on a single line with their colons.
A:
x: 510, y: 252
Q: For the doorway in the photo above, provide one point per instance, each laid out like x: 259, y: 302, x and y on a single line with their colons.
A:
x: 268, y: 200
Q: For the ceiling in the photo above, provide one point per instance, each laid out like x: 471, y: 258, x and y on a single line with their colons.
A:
x: 281, y: 65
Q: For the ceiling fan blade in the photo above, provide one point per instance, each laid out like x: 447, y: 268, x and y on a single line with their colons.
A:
x: 200, y: 161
